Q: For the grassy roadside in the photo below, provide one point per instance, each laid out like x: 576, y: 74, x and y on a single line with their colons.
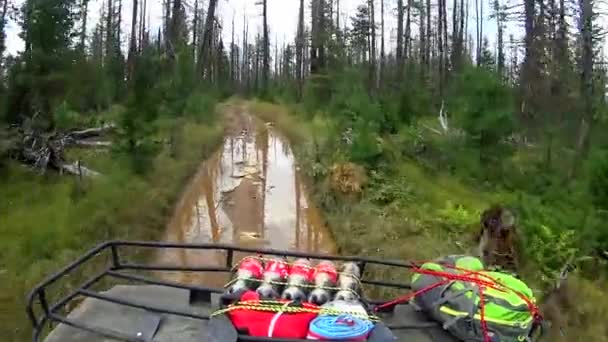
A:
x: 413, y: 213
x: 46, y: 221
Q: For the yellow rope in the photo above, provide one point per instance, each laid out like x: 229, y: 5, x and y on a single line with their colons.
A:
x: 273, y: 306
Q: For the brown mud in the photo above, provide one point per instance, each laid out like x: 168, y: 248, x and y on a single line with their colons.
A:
x: 249, y: 193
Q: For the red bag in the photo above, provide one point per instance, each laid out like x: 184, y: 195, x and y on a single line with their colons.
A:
x: 271, y: 324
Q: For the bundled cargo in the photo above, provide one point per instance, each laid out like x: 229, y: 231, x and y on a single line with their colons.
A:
x: 474, y: 304
x: 248, y: 275
x: 275, y: 274
x: 325, y: 278
x: 300, y: 277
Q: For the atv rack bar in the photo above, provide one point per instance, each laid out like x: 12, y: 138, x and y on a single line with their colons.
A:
x: 42, y: 313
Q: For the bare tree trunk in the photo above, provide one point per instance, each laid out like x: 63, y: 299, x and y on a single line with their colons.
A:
x: 408, y: 30
x: 338, y: 16
x: 427, y: 53
x: 454, y: 30
x: 83, y: 30
x: 445, y: 37
x: 317, y: 49
x: 440, y: 44
x: 195, y: 28
x: 399, y: 54
x: 300, y: 50
x: 133, y: 42
x: 266, y: 58
x: 109, y: 30
x: 167, y: 24
x: 382, y: 52
x: 587, y: 15
x: 232, y: 57
x: 372, y: 59
x: 245, y: 65
x: 204, y: 53
x: 119, y: 24
x: 422, y: 35
x: 478, y: 33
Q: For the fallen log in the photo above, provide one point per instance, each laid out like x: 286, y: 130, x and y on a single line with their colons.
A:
x: 91, y: 132
x: 91, y: 143
x: 77, y: 169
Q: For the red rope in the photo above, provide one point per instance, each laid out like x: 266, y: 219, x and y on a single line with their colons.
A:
x: 482, y: 309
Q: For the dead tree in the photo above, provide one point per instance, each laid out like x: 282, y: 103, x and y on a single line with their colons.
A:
x: 133, y: 42
x: 372, y: 58
x: 587, y: 91
x: 204, y: 61
x: 300, y: 49
x: 382, y: 52
x: 266, y: 47
x: 400, y: 36
x: 83, y: 30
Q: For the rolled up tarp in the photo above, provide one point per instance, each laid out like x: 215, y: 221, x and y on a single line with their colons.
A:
x: 339, y: 328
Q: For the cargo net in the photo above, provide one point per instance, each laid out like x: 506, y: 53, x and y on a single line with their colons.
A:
x: 348, y: 281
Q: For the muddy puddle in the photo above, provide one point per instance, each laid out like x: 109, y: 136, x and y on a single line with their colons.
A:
x: 249, y: 193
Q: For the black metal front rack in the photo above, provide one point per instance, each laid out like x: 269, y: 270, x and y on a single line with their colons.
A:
x: 42, y: 313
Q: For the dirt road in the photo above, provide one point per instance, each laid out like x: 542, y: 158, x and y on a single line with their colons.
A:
x: 249, y: 193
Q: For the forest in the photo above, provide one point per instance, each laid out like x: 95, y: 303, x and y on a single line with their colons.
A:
x: 431, y: 123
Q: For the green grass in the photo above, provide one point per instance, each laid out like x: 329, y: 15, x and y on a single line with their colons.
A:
x: 414, y: 210
x: 46, y: 221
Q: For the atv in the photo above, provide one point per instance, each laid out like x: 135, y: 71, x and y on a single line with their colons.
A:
x: 131, y: 302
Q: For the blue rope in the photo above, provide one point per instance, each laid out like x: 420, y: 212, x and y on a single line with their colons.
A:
x: 343, y: 327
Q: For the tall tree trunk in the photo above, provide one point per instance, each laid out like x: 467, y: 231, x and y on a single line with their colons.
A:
x: 478, y: 33
x: 422, y: 37
x: 372, y: 59
x: 133, y: 42
x: 232, y: 57
x: 317, y: 49
x: 245, y: 65
x: 266, y: 58
x: 440, y: 44
x: 195, y: 28
x: 408, y: 30
x: 176, y: 24
x: 167, y: 24
x: 109, y: 30
x: 400, y: 36
x: 427, y: 53
x: 204, y: 52
x: 500, y: 65
x: 382, y: 52
x: 338, y: 16
x: 582, y: 148
x: 119, y: 25
x: 454, y: 31
x: 300, y: 49
x: 83, y: 29
x: 445, y: 37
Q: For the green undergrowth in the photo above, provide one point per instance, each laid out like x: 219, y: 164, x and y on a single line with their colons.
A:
x: 47, y: 221
x: 424, y: 197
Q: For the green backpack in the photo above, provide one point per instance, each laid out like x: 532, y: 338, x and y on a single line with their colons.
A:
x: 456, y: 304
